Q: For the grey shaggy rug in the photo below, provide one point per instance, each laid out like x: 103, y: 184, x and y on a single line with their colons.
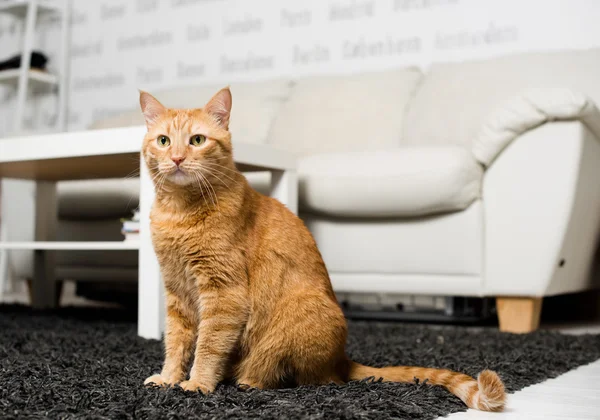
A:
x: 89, y: 364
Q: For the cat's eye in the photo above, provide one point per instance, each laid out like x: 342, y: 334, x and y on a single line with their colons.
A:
x: 197, y: 139
x: 163, y: 141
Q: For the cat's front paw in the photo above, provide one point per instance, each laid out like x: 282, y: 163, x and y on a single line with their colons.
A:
x: 195, y: 386
x: 158, y: 380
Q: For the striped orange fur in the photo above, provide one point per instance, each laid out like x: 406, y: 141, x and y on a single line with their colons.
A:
x: 248, y: 295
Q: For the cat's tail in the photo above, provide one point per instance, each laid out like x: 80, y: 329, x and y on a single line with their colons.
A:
x: 486, y: 393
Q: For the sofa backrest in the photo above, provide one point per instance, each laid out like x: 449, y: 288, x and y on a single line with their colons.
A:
x: 351, y: 112
x: 454, y: 98
x: 254, y: 107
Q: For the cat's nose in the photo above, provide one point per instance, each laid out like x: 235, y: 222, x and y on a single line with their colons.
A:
x: 177, y: 159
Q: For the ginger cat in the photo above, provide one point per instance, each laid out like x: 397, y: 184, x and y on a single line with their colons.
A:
x: 248, y: 295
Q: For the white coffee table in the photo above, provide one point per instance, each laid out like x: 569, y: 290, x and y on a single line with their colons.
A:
x: 112, y: 153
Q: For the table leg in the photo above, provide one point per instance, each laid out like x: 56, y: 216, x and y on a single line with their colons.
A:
x: 4, y: 273
x: 284, y: 187
x: 4, y: 278
x: 43, y: 293
x: 151, y: 311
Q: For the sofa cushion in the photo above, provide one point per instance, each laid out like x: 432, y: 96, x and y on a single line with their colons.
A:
x: 253, y: 110
x: 455, y: 98
x: 345, y: 112
x: 400, y: 182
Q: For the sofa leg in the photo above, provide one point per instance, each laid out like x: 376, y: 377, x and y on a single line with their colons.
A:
x: 519, y: 314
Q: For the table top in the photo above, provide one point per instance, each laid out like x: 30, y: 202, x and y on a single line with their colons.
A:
x: 108, y: 153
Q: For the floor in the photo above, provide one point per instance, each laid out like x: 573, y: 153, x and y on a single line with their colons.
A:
x: 574, y: 395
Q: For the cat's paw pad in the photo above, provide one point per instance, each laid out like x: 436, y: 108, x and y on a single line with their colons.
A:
x: 157, y: 380
x: 195, y: 386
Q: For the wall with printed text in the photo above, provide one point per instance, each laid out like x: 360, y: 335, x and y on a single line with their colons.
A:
x: 118, y: 46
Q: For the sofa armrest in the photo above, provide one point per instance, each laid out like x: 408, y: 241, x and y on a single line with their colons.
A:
x: 542, y: 212
x: 528, y: 111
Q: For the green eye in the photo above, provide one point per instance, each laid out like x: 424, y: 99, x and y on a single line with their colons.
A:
x: 197, y: 139
x: 163, y: 141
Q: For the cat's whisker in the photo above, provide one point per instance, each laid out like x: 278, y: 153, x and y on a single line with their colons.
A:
x: 218, y: 171
x: 209, y: 171
x: 161, y: 180
x: 132, y: 174
x: 136, y: 173
x: 213, y: 190
x: 199, y: 169
x: 197, y: 181
x: 129, y: 201
x: 156, y: 176
x: 157, y: 182
x: 201, y: 187
x: 209, y: 188
x: 218, y: 179
x: 205, y: 164
x: 214, y: 164
x: 207, y: 185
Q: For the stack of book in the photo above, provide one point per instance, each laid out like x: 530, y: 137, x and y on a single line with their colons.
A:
x: 131, y: 227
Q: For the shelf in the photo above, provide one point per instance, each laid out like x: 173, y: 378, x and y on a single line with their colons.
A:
x: 18, y: 8
x: 72, y: 246
x: 36, y: 76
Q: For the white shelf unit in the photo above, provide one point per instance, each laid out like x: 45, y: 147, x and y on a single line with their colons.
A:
x: 24, y: 77
x: 36, y: 76
x: 18, y: 8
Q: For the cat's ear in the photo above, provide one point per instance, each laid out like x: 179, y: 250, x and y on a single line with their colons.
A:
x: 151, y: 108
x: 219, y: 107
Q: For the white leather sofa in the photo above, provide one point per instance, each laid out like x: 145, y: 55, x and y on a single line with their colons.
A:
x: 472, y: 179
